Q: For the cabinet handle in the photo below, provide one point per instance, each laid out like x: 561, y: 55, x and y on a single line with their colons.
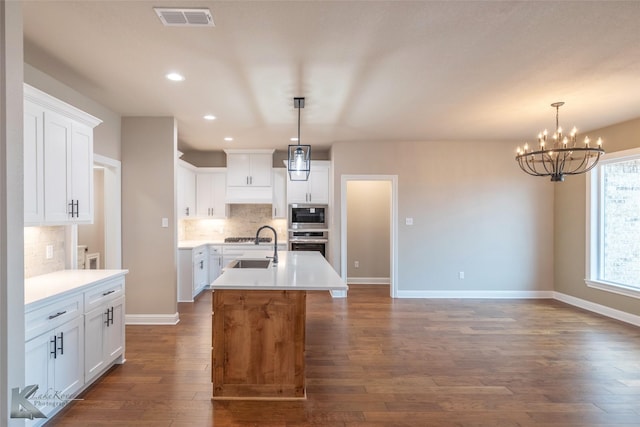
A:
x: 104, y: 294
x: 54, y: 341
x: 61, y: 348
x: 201, y: 265
x: 109, y: 314
x: 77, y: 208
x: 60, y: 313
x: 71, y: 208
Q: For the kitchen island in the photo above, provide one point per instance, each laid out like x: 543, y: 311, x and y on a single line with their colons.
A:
x: 259, y: 317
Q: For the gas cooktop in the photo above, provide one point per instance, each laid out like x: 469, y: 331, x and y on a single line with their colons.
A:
x: 246, y: 239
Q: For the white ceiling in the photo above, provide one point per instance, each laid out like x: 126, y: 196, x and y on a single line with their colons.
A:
x: 369, y: 70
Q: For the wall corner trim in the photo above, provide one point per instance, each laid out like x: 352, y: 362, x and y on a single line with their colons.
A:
x: 622, y: 316
x: 152, y: 319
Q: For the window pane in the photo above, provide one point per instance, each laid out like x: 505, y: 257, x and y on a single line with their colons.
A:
x: 621, y: 223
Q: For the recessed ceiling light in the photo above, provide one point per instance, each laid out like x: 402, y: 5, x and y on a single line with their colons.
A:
x: 228, y: 138
x: 175, y: 77
x: 293, y: 139
x: 209, y: 117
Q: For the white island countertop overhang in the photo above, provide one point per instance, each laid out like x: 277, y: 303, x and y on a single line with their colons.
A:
x: 296, y: 270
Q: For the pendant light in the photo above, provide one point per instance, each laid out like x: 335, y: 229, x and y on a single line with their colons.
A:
x: 299, y: 158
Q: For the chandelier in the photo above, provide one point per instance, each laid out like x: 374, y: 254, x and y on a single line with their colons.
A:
x: 299, y: 157
x: 562, y: 157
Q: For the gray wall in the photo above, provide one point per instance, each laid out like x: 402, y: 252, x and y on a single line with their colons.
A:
x: 368, y: 234
x: 11, y: 208
x: 148, y: 195
x: 219, y: 158
x: 473, y: 211
x: 570, y: 225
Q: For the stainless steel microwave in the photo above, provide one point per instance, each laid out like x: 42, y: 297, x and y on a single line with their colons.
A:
x: 308, y: 216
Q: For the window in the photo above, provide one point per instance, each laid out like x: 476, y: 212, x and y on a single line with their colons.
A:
x: 613, y: 224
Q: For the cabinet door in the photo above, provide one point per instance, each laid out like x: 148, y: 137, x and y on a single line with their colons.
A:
x: 319, y: 185
x: 115, y: 334
x: 261, y: 169
x: 238, y: 169
x: 33, y: 164
x: 204, y: 194
x: 81, y: 172
x: 219, y: 195
x: 69, y: 361
x: 57, y: 136
x: 215, y: 261
x: 279, y: 206
x: 200, y: 272
x: 94, y: 323
x: 38, y: 362
x: 186, y: 193
x: 297, y: 191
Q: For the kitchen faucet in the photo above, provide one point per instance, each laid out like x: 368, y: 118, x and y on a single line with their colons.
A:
x: 275, y: 240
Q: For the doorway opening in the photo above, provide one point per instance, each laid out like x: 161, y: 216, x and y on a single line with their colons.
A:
x: 100, y: 244
x: 369, y: 210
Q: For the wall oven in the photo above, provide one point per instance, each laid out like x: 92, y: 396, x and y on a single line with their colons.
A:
x: 308, y: 216
x: 308, y: 240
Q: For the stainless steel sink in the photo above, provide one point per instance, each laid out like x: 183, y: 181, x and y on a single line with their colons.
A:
x: 250, y: 263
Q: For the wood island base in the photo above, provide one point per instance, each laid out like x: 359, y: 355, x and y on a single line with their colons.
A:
x: 258, y: 344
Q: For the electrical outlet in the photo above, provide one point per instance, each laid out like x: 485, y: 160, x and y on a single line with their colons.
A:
x: 461, y: 275
x: 408, y: 221
x: 356, y: 264
x: 49, y: 251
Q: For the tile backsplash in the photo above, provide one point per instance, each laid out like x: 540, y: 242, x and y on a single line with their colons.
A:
x: 36, y: 240
x: 243, y: 221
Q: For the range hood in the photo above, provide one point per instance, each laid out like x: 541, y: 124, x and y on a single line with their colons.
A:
x: 249, y: 195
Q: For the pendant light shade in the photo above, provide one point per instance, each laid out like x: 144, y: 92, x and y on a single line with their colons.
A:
x: 299, y: 157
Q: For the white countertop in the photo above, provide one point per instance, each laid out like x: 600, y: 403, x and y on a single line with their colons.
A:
x: 192, y: 244
x: 64, y: 281
x: 301, y: 270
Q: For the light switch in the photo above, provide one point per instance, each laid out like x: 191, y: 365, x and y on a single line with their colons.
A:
x: 408, y: 221
x: 49, y: 252
x: 165, y: 222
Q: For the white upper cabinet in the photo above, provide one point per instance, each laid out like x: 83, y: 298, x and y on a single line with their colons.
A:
x: 249, y: 169
x: 211, y: 193
x: 33, y: 165
x: 186, y: 190
x: 315, y: 189
x: 58, y: 161
x: 279, y: 205
x: 249, y: 176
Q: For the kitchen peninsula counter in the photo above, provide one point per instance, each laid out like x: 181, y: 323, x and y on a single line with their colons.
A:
x: 259, y: 318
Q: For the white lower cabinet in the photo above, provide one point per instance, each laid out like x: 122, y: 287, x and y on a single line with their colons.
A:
x: 54, y: 362
x: 71, y: 340
x: 104, y: 328
x: 193, y: 272
x: 215, y: 262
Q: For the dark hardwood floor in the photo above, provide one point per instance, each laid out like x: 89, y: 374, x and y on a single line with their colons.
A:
x: 375, y: 361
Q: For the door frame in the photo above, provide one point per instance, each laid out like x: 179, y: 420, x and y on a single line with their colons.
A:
x: 393, y: 256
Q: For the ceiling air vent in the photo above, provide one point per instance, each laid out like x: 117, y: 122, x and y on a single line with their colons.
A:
x: 173, y: 17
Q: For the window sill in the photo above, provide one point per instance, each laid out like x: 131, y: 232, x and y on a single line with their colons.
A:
x: 614, y: 287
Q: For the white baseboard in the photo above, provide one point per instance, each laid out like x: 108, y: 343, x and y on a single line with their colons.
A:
x: 598, y: 308
x: 477, y: 294
x: 152, y: 319
x: 368, y: 281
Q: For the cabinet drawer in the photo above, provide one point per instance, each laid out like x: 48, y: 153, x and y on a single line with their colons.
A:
x: 97, y: 296
x: 52, y: 315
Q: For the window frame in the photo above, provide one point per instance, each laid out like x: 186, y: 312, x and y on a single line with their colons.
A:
x: 594, y: 244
